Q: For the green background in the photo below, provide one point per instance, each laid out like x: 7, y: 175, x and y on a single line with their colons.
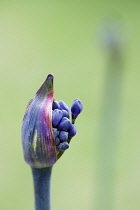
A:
x: 63, y: 38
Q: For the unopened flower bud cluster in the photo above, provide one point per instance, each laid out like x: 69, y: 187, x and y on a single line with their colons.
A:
x: 63, y: 128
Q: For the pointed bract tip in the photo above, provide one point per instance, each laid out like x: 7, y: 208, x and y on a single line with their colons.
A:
x: 50, y: 76
x: 47, y: 87
x: 49, y: 80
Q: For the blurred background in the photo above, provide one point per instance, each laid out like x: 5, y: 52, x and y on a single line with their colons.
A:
x: 92, y: 48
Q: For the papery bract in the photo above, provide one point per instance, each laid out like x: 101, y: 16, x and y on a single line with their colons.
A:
x: 37, y: 134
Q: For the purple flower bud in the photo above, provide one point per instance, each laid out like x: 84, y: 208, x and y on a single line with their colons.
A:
x: 56, y: 117
x: 63, y: 146
x: 44, y: 138
x: 55, y: 105
x: 76, y: 108
x: 55, y: 132
x: 64, y: 106
x: 72, y: 131
x: 37, y: 134
x: 57, y: 141
x: 64, y: 124
x: 63, y: 135
x: 65, y: 113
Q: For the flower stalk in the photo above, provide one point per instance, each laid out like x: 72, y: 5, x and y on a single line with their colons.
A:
x: 42, y: 187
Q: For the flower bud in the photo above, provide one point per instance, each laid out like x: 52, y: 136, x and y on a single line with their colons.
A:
x: 65, y: 113
x: 76, y: 108
x: 55, y: 105
x: 64, y: 106
x: 72, y: 131
x: 64, y: 124
x: 63, y: 136
x: 57, y: 141
x: 56, y: 117
x: 55, y: 132
x: 37, y: 133
x: 63, y: 146
x: 46, y: 129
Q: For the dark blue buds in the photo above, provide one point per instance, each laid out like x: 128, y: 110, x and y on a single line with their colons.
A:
x: 63, y: 146
x: 76, y: 109
x: 57, y: 141
x: 55, y: 105
x: 72, y: 131
x: 64, y: 124
x: 63, y: 128
x: 63, y: 135
x: 55, y: 132
x: 65, y: 113
x: 63, y: 105
x: 56, y: 117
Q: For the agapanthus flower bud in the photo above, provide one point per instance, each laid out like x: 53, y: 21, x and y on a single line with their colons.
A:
x: 64, y: 124
x: 63, y: 146
x: 55, y: 132
x: 56, y: 117
x: 57, y: 141
x: 76, y: 108
x: 55, y: 105
x: 64, y: 106
x: 47, y: 129
x: 63, y: 136
x: 65, y: 113
x: 72, y: 131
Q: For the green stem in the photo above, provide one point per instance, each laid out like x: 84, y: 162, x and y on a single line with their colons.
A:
x: 42, y: 188
x: 110, y: 126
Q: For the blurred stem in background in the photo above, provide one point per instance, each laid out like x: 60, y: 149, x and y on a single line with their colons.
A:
x: 110, y: 123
